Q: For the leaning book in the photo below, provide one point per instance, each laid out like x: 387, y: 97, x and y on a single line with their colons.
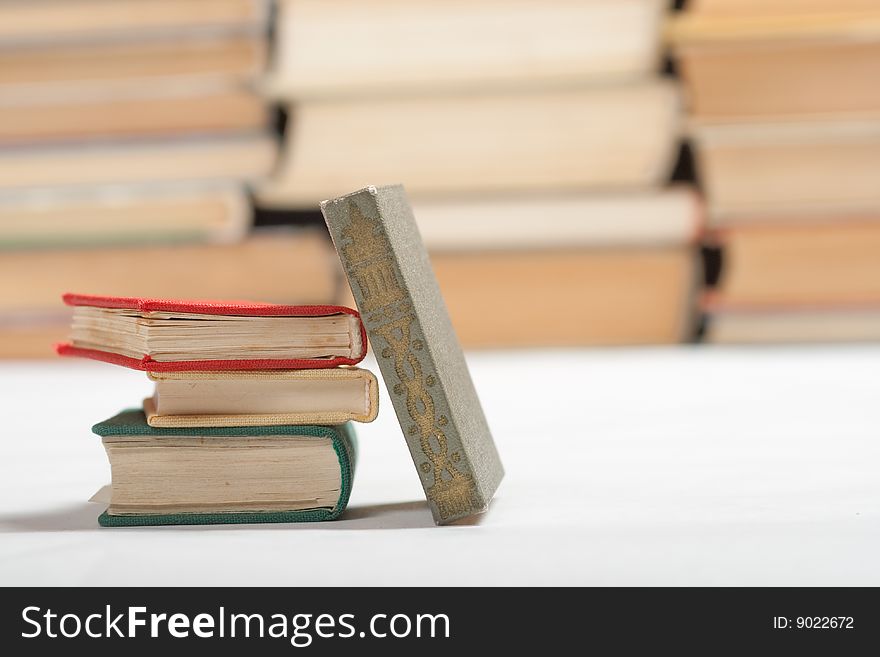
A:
x: 418, y: 353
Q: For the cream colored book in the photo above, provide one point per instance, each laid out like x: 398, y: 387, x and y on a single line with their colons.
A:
x: 782, y: 325
x: 237, y: 398
x: 805, y: 168
x: 540, y: 221
x: 608, y: 137
x: 124, y: 214
x: 352, y: 48
x: 246, y: 156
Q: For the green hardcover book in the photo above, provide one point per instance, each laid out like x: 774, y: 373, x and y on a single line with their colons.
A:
x: 203, y: 476
x: 415, y: 345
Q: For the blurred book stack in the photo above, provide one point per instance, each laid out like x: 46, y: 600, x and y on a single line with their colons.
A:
x: 129, y: 132
x: 785, y: 115
x: 536, y: 141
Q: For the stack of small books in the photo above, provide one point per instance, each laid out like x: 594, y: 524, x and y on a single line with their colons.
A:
x: 251, y: 416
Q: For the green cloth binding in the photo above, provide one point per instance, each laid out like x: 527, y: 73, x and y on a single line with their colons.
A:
x: 133, y: 423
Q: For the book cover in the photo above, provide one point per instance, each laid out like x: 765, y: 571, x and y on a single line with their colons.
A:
x: 206, y: 307
x: 418, y: 353
x: 133, y: 423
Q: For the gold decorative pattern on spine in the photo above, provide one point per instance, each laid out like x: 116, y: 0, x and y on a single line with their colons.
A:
x: 385, y: 309
x: 367, y: 256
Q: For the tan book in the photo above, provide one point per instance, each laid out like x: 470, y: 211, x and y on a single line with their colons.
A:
x: 31, y: 337
x: 128, y: 64
x: 148, y: 112
x: 783, y: 76
x: 295, y: 266
x: 797, y: 324
x: 570, y: 297
x: 51, y: 21
x: 806, y: 264
x: 236, y: 398
x: 539, y: 221
x: 789, y: 168
x: 247, y: 156
x: 617, y: 136
x: 353, y: 48
x: 777, y: 7
x: 124, y: 214
x: 849, y: 19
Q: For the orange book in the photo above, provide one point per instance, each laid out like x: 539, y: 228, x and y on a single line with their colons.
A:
x: 794, y: 168
x: 129, y: 64
x: 833, y: 262
x: 570, y: 297
x: 155, y: 112
x: 798, y: 59
x: 78, y: 20
x: 283, y: 267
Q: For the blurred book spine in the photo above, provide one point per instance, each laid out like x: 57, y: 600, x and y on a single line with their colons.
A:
x: 785, y: 118
x: 535, y: 140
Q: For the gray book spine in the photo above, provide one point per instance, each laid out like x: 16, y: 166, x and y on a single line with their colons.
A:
x: 415, y: 345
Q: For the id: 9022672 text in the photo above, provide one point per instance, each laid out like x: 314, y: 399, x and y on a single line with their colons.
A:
x: 813, y: 623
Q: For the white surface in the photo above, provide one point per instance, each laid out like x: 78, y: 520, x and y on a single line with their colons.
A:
x: 643, y: 466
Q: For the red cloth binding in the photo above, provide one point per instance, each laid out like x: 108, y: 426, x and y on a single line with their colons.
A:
x: 210, y: 307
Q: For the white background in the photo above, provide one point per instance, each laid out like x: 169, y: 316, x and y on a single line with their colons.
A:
x: 685, y: 465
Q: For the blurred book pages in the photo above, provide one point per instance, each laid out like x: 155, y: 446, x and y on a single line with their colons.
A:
x: 274, y: 265
x: 354, y: 48
x: 535, y: 140
x: 613, y: 136
x: 785, y: 120
x: 131, y: 134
